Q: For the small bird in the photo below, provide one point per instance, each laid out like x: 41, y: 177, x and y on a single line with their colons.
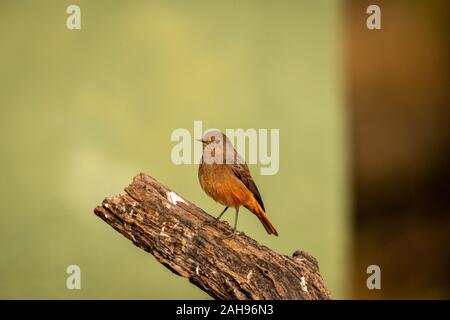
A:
x: 225, y: 177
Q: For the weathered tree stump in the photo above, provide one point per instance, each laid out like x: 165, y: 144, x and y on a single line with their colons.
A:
x: 173, y: 229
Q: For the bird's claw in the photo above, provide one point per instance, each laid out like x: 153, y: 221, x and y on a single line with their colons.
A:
x: 230, y: 236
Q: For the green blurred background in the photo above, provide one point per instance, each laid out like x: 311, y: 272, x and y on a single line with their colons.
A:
x: 82, y: 112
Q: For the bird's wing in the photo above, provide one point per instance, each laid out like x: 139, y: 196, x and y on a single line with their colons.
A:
x: 243, y: 173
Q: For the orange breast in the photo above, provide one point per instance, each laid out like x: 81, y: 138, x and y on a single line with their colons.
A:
x: 218, y: 181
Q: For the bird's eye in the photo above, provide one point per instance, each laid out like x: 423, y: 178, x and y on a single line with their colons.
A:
x: 217, y: 141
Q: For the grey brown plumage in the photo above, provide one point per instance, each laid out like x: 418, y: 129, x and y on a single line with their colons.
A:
x: 226, y: 178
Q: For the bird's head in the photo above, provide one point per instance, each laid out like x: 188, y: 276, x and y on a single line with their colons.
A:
x: 214, y: 137
x: 217, y: 148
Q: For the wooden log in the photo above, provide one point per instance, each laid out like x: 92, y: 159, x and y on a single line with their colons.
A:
x: 174, y: 230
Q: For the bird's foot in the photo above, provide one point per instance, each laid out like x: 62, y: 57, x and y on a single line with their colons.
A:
x: 230, y: 236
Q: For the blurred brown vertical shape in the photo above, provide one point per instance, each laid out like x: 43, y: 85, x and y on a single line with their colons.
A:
x: 398, y: 95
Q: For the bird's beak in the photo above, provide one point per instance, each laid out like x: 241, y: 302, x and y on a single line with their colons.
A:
x: 200, y: 140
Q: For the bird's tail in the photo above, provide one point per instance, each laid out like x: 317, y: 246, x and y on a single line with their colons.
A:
x: 262, y: 216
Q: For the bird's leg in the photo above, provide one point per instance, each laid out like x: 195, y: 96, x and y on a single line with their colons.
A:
x: 220, y: 215
x: 216, y: 219
x: 235, y: 225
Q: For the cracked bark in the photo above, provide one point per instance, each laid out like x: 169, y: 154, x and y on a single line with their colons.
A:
x: 169, y: 227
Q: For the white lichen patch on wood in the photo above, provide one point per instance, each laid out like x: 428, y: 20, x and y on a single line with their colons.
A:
x: 197, y: 270
x: 303, y: 284
x: 174, y: 198
x: 249, y: 275
x: 163, y: 234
